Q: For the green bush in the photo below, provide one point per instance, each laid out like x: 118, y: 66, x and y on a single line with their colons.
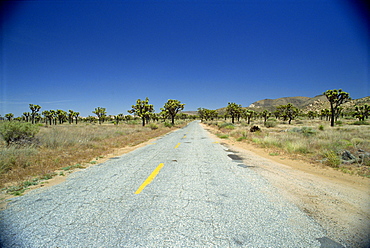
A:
x: 332, y: 159
x: 321, y: 128
x: 270, y: 123
x: 153, y: 126
x: 223, y: 136
x: 226, y: 126
x: 18, y: 132
x: 166, y: 124
x: 361, y: 123
x: 306, y: 131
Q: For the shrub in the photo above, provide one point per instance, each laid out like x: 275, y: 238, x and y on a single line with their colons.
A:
x: 321, y: 128
x: 166, y: 124
x: 223, y: 136
x: 226, y: 126
x: 332, y: 159
x: 361, y: 123
x: 306, y: 131
x: 18, y: 132
x: 153, y: 126
x: 270, y: 123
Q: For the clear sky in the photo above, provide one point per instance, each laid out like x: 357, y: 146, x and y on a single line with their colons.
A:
x: 81, y: 55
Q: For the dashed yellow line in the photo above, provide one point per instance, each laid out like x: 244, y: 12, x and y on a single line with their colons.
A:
x: 178, y: 144
x: 150, y: 178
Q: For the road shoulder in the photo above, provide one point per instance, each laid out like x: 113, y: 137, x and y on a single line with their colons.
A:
x: 337, y: 201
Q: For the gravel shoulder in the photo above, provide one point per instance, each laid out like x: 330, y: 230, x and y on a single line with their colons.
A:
x: 338, y: 202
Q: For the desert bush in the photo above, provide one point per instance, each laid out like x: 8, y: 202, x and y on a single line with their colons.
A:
x: 169, y: 125
x: 226, y: 125
x: 270, y: 123
x: 153, y: 126
x: 321, y: 128
x: 331, y: 159
x: 306, y: 131
x: 223, y: 136
x: 361, y: 123
x: 14, y: 132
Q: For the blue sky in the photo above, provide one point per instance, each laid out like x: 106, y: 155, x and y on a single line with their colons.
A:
x: 81, y: 55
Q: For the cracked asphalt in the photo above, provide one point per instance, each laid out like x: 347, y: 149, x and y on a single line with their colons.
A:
x: 199, y: 198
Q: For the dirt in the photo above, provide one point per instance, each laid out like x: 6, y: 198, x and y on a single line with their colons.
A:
x: 338, y: 202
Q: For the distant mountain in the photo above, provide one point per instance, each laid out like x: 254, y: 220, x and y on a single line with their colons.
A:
x: 298, y: 101
x: 316, y: 103
x: 190, y: 112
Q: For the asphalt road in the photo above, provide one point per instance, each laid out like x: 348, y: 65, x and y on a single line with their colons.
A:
x: 183, y: 190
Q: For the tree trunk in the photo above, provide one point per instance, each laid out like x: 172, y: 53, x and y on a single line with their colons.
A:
x: 332, y: 115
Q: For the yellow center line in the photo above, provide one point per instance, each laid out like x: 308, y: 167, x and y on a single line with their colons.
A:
x: 177, y: 145
x: 150, y: 178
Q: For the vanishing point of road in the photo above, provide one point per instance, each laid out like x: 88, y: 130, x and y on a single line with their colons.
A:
x: 182, y: 190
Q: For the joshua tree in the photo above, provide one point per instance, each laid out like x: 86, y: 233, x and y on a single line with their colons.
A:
x: 234, y: 110
x: 288, y: 112
x: 362, y: 112
x: 62, y: 116
x: 100, y: 112
x: 248, y: 114
x: 171, y: 108
x: 55, y: 116
x: 70, y: 116
x: 336, y: 98
x: 9, y: 116
x: 26, y: 116
x: 34, y: 109
x: 142, y: 109
x: 76, y: 115
x: 118, y: 117
x: 48, y: 115
x: 265, y: 114
x: 311, y: 114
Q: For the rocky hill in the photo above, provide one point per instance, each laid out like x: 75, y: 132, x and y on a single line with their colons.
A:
x: 316, y: 103
x: 298, y: 101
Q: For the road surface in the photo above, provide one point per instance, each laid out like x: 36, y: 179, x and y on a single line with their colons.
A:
x: 182, y: 190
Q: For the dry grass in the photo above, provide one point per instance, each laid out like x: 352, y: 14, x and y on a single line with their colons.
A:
x: 67, y: 145
x: 314, y: 140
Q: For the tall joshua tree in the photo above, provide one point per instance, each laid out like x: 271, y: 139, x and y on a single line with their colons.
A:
x: 143, y: 109
x: 336, y: 98
x: 26, y: 116
x: 48, y: 115
x: 34, y: 109
x: 234, y: 110
x: 171, y: 108
x: 9, y: 116
x: 100, y: 112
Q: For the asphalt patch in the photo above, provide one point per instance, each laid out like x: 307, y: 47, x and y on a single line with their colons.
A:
x: 235, y: 157
x: 328, y: 243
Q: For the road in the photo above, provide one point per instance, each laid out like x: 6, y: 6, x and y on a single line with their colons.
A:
x: 182, y: 190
